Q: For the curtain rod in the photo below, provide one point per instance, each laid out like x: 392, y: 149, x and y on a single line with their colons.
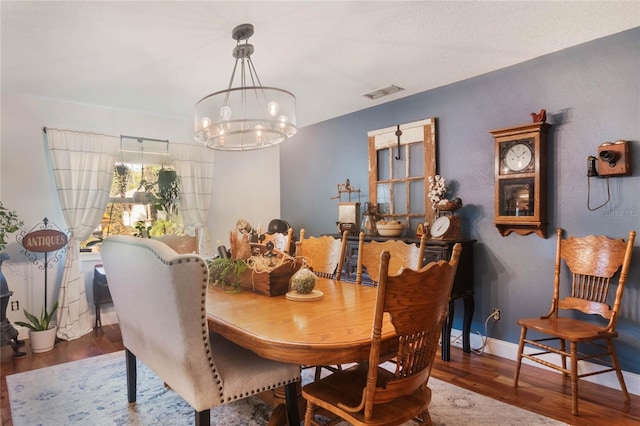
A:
x: 44, y: 129
x: 137, y: 138
x: 140, y: 139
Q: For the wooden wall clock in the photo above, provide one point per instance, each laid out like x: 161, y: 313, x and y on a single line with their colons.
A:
x: 520, y: 203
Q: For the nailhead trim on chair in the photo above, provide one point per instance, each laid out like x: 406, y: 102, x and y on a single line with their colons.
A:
x: 205, y: 336
x: 205, y: 332
x: 205, y: 325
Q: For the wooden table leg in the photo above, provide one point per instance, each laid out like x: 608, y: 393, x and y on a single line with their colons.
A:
x: 291, y: 397
x: 469, y: 306
x: 288, y: 403
x: 446, y: 332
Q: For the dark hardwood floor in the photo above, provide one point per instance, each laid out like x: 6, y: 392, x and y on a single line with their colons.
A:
x: 540, y: 391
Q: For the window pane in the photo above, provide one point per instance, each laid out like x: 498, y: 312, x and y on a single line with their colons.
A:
x: 400, y: 166
x: 123, y: 216
x: 416, y: 160
x: 383, y: 193
x: 383, y: 164
x: 399, y: 198
x: 416, y: 196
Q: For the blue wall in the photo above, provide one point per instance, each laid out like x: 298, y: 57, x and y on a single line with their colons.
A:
x: 591, y: 93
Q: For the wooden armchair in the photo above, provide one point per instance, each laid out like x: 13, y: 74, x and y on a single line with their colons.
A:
x: 182, y: 244
x: 403, y: 255
x: 280, y: 240
x: 324, y: 255
x: 160, y: 298
x: 592, y: 261
x: 368, y: 394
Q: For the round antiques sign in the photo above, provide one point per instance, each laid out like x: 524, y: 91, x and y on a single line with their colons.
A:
x: 44, y: 240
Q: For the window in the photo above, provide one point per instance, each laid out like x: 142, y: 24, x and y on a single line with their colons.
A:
x: 143, y: 197
x: 399, y: 168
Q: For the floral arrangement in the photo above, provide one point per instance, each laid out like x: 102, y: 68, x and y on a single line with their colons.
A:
x: 437, y: 189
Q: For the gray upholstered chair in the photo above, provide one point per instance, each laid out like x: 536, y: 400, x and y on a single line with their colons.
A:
x: 160, y: 298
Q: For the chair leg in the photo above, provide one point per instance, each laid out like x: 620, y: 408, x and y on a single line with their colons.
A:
x: 132, y: 375
x: 318, y: 373
x: 563, y: 349
x: 425, y: 418
x: 516, y: 376
x: 309, y: 413
x: 616, y: 365
x: 203, y: 418
x: 291, y: 401
x: 574, y: 378
x: 98, y: 320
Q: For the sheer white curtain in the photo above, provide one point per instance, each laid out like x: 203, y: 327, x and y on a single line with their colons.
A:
x: 83, y: 170
x: 194, y: 165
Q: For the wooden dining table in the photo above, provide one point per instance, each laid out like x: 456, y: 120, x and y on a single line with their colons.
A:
x: 335, y: 329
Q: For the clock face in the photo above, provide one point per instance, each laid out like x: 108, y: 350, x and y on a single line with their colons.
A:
x: 440, y: 226
x: 518, y: 157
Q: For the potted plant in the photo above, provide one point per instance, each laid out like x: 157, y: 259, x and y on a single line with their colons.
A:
x: 9, y: 223
x: 168, y: 191
x: 142, y: 228
x: 226, y: 272
x: 122, y: 178
x: 42, y: 334
x: 145, y: 192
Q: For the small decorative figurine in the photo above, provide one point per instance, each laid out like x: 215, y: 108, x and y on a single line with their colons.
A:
x: 540, y: 117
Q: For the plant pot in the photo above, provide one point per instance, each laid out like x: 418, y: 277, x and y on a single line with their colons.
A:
x: 42, y: 341
x: 140, y: 197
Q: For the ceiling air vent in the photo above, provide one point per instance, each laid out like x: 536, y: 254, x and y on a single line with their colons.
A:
x: 378, y: 93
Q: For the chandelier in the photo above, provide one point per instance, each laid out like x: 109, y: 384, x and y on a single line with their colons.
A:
x: 251, y: 116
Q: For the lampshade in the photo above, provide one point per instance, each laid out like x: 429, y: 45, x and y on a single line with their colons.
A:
x: 247, y: 117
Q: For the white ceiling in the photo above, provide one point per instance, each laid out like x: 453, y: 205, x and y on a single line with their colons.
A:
x: 162, y: 57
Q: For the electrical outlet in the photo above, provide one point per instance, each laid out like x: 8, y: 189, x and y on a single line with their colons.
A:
x: 15, y: 305
x: 496, y: 314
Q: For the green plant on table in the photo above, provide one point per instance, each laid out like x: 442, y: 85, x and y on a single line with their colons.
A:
x: 39, y: 324
x: 226, y: 272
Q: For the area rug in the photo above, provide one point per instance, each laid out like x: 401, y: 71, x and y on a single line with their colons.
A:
x: 93, y: 391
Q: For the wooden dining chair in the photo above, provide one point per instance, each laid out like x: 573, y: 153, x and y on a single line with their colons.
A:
x: 324, y: 254
x: 591, y: 262
x: 183, y: 244
x: 369, y: 394
x: 403, y: 255
x: 280, y: 240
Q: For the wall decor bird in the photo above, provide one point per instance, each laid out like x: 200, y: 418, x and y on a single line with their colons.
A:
x: 540, y: 117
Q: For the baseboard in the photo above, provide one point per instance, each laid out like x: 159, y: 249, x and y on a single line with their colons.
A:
x: 109, y: 317
x: 509, y: 351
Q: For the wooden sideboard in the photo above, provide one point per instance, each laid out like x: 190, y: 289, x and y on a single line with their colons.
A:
x: 435, y: 250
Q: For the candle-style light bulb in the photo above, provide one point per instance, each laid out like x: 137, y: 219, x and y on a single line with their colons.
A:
x: 258, y: 130
x: 273, y: 108
x: 225, y: 113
